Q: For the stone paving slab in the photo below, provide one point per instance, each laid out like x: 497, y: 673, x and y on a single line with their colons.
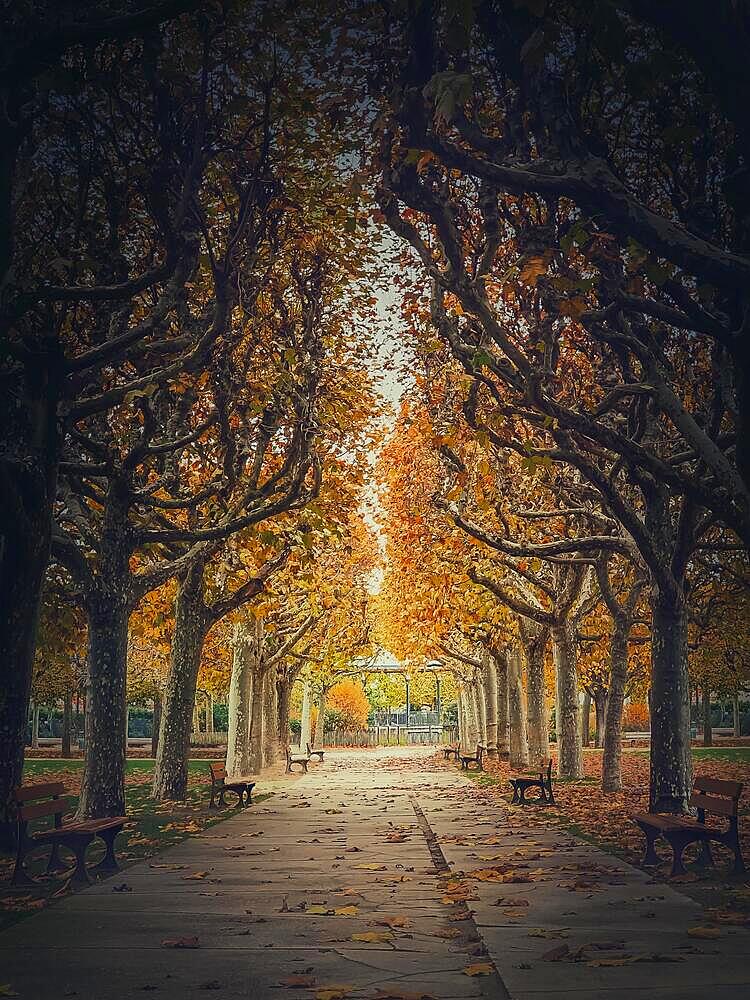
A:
x: 251, y: 908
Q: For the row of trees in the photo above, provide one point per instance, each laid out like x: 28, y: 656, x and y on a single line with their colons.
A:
x: 582, y: 237
x: 186, y: 397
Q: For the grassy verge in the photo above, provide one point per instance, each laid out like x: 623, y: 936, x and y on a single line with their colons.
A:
x: 152, y: 827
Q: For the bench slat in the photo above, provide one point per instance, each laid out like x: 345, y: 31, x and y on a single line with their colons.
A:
x: 36, y: 810
x: 218, y: 771
x: 27, y: 793
x: 720, y: 807
x: 732, y: 789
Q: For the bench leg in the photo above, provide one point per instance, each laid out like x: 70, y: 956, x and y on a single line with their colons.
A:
x: 20, y: 875
x: 80, y: 874
x: 55, y: 864
x: 678, y: 844
x: 514, y: 800
x: 109, y: 861
x: 705, y: 858
x: 304, y: 766
x: 650, y: 857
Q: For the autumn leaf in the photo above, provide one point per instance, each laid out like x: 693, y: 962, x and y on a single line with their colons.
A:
x: 373, y: 937
x: 333, y: 992
x: 191, y: 941
x: 291, y: 982
x: 195, y: 877
x: 707, y: 933
x: 479, y: 969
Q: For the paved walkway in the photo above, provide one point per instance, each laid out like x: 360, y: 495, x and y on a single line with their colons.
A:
x: 376, y: 876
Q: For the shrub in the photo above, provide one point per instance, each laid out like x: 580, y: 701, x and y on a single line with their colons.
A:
x: 348, y: 702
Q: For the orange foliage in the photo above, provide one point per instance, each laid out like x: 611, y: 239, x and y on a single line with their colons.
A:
x: 635, y: 717
x: 349, y: 700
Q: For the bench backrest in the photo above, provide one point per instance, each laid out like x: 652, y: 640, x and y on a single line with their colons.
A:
x: 714, y: 795
x: 218, y: 772
x: 27, y: 798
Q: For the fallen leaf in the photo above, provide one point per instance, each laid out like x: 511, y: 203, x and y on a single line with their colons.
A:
x: 394, y: 922
x: 373, y: 937
x: 194, y: 877
x: 333, y: 992
x: 294, y: 981
x: 479, y: 969
x: 708, y: 933
x: 346, y: 911
x: 181, y: 942
x: 371, y: 868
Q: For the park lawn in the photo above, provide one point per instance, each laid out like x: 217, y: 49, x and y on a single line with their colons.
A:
x: 152, y: 827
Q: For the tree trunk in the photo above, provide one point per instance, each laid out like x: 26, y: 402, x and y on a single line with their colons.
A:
x: 209, y: 713
x: 103, y: 782
x: 612, y: 743
x: 35, y: 710
x: 190, y: 629
x: 156, y: 724
x: 586, y: 719
x: 283, y: 700
x: 320, y: 721
x: 490, y: 695
x: 67, y: 723
x: 601, y: 697
x: 305, y: 734
x: 503, y: 737
x: 257, y: 715
x: 708, y: 734
x: 240, y: 695
x: 481, y: 708
x: 519, y: 747
x: 270, y: 719
x: 538, y: 726
x: 736, y: 719
x: 28, y: 477
x: 671, y: 762
x: 567, y: 710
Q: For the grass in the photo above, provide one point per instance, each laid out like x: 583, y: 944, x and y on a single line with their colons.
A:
x: 152, y: 828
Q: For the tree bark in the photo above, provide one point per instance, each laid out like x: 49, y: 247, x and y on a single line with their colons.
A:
x: 503, y: 736
x: 708, y: 734
x: 210, y: 713
x: 67, y: 723
x: 103, y: 783
x: 35, y: 710
x: 519, y: 747
x: 28, y: 478
x: 240, y: 694
x: 567, y: 710
x: 156, y: 724
x: 534, y: 642
x: 320, y: 721
x: 490, y: 694
x: 305, y: 734
x: 481, y: 708
x: 283, y: 700
x: 736, y: 718
x: 257, y: 715
x: 612, y: 743
x: 270, y: 719
x: 586, y: 720
x: 601, y: 697
x: 190, y: 629
x: 671, y: 762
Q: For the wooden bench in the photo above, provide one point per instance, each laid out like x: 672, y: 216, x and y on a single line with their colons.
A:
x: 319, y: 753
x: 521, y: 784
x: 710, y: 795
x: 476, y: 758
x: 36, y: 801
x: 220, y: 785
x: 296, y: 758
x: 451, y: 751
